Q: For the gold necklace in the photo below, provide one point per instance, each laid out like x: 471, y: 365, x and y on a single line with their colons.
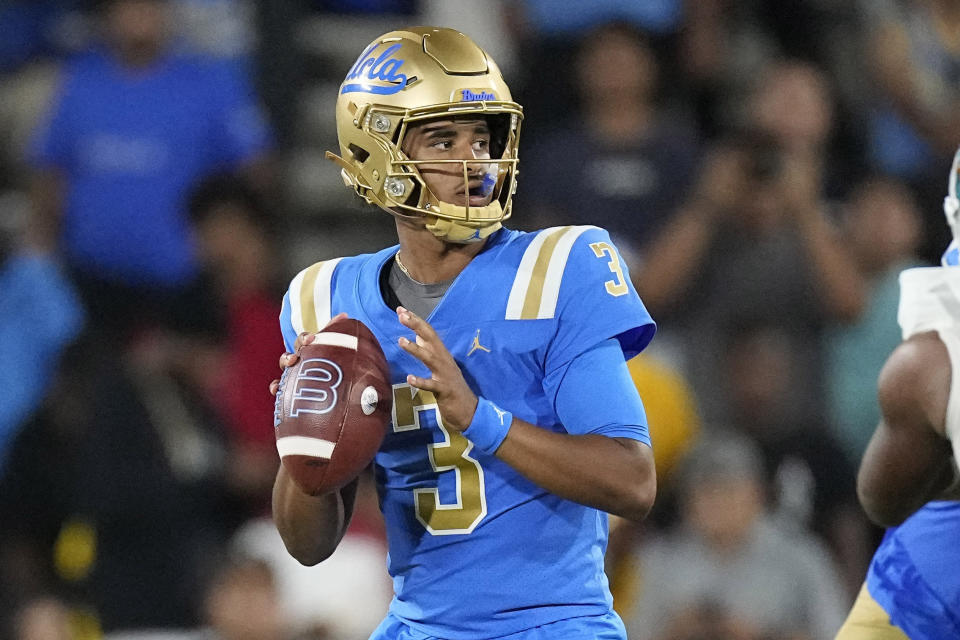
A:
x: 396, y: 258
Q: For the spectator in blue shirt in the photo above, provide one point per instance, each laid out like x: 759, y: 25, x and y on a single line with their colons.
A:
x: 133, y: 127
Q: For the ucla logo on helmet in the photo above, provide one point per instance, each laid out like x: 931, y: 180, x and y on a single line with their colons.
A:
x: 376, y: 72
x: 473, y: 95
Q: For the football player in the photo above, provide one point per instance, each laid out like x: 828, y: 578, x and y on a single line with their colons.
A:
x: 908, y: 475
x: 516, y: 427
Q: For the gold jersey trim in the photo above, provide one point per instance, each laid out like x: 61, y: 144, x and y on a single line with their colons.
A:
x: 536, y: 287
x: 310, y: 296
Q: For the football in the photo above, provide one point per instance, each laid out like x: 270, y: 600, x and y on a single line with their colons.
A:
x: 333, y: 407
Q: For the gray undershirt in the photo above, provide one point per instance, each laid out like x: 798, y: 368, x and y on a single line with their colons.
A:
x: 418, y: 297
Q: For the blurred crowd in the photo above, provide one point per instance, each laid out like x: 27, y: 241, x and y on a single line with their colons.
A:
x: 766, y: 169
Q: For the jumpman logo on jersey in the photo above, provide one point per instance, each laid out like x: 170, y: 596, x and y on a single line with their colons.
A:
x: 476, y: 344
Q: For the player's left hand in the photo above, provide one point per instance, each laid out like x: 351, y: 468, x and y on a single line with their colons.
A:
x: 455, y: 400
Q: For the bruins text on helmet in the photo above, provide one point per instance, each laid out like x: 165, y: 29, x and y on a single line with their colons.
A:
x: 416, y: 74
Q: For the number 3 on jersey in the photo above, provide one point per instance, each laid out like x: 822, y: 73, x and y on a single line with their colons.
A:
x: 617, y: 286
x: 452, y: 454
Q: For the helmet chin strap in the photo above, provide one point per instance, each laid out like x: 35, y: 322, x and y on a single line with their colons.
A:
x: 487, y: 220
x: 455, y: 231
x: 459, y: 233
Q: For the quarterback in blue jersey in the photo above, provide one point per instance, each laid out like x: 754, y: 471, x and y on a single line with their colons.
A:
x: 908, y: 478
x: 516, y: 427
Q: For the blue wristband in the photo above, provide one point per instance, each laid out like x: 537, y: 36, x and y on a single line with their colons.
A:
x: 489, y: 426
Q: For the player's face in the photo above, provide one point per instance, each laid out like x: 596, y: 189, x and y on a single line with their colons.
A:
x: 454, y: 139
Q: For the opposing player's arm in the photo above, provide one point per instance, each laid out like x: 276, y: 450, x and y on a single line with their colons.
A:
x: 908, y: 461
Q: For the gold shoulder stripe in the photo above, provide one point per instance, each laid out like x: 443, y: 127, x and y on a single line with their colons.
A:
x: 307, y: 300
x: 310, y: 296
x: 536, y: 287
x: 521, y: 281
x: 531, y: 303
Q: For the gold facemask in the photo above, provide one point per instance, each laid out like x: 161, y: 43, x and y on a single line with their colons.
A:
x: 408, y: 76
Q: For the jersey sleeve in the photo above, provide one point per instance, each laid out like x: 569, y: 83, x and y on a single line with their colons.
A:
x: 595, y: 394
x: 595, y: 299
x: 286, y: 325
x: 307, y: 302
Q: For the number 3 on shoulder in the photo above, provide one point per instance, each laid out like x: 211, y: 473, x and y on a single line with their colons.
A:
x: 617, y: 286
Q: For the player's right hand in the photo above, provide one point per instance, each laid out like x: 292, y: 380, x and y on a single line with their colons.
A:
x: 289, y: 359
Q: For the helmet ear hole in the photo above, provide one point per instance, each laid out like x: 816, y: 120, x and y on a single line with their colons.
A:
x: 414, y: 193
x: 359, y: 153
x: 499, y: 132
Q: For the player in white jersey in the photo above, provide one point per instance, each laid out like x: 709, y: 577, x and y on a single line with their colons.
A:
x: 908, y: 474
x: 516, y: 425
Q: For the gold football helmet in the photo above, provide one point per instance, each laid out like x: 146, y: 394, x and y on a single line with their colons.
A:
x: 416, y: 74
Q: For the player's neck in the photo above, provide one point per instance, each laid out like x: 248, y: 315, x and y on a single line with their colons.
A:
x: 428, y: 259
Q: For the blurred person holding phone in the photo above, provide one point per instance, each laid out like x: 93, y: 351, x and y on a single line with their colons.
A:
x: 132, y: 127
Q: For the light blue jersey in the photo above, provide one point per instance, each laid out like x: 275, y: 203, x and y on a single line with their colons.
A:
x: 915, y: 573
x: 476, y: 550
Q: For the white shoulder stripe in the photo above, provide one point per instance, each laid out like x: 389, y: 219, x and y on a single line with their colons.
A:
x: 558, y: 262
x: 521, y: 283
x: 322, y: 292
x: 296, y: 317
